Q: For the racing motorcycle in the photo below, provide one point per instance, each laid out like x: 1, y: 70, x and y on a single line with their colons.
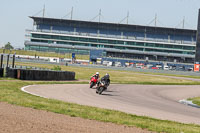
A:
x: 93, y: 82
x: 102, y: 86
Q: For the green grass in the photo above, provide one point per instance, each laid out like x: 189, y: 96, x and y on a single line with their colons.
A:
x: 45, y: 54
x: 195, y: 100
x: 166, y: 74
x: 10, y: 92
x: 7, y: 79
x: 119, y: 76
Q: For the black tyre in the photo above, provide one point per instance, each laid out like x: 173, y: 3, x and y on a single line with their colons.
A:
x: 92, y: 84
x: 101, y: 89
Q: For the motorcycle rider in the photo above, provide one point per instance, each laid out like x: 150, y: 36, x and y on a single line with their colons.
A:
x: 105, y: 78
x: 97, y: 76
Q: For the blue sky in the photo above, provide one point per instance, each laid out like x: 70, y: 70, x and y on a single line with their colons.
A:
x: 14, y: 13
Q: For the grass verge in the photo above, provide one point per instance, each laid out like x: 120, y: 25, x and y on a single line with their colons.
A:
x: 10, y: 92
x: 119, y: 76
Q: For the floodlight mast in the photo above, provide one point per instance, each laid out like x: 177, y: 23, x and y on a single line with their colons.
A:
x: 69, y: 14
x: 72, y: 13
x: 43, y: 12
x: 99, y: 15
x: 126, y: 18
x: 155, y: 19
x: 183, y: 22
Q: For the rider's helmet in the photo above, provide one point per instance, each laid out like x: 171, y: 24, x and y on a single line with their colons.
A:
x: 107, y: 75
x: 97, y: 73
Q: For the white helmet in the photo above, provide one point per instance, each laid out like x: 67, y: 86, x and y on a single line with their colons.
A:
x: 97, y: 73
x: 107, y: 75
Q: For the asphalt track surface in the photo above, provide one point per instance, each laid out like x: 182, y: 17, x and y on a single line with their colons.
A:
x: 157, y: 101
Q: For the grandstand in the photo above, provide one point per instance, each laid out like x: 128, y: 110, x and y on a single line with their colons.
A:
x: 116, y: 40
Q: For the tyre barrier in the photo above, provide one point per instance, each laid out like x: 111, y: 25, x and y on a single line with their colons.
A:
x: 11, y: 73
x: 1, y: 72
x: 25, y: 74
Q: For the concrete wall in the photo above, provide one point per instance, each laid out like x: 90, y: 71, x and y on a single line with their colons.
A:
x: 24, y: 74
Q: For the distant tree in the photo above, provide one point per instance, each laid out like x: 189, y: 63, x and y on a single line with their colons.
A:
x: 8, y: 46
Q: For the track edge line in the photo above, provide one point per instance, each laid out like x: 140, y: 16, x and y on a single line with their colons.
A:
x: 23, y: 89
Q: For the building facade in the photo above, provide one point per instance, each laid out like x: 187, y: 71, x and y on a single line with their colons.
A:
x: 116, y: 40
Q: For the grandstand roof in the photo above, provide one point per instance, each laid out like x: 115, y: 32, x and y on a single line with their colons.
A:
x: 113, y: 26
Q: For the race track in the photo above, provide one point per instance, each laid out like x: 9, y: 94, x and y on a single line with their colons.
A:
x: 157, y: 101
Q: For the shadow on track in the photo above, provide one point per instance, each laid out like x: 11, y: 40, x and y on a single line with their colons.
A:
x: 110, y: 91
x: 104, y: 94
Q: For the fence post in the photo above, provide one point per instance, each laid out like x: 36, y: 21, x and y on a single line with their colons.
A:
x: 8, y: 56
x: 1, y: 65
x: 13, y: 63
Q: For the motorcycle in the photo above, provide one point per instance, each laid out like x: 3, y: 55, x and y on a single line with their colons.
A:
x: 102, y: 86
x: 93, y: 82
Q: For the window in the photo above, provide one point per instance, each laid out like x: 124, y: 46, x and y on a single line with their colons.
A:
x: 178, y: 47
x: 130, y: 43
x: 83, y: 39
x: 168, y: 46
x: 111, y: 41
x: 46, y: 36
x: 103, y: 41
x: 159, y: 45
x: 150, y: 44
x: 35, y: 35
x: 106, y: 46
x: 74, y: 38
x: 139, y: 49
x: 44, y: 41
x: 35, y: 48
x: 55, y: 37
x: 44, y: 48
x: 94, y: 45
x: 139, y: 44
x: 119, y: 47
x: 64, y: 38
x: 119, y: 42
x: 188, y: 48
x: 92, y: 40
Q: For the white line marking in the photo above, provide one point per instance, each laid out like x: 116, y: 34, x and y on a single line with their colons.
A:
x: 23, y: 89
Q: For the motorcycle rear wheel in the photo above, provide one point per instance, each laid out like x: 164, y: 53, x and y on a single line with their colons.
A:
x: 101, y: 89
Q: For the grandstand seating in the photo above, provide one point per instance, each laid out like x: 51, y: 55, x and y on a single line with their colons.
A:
x: 44, y: 27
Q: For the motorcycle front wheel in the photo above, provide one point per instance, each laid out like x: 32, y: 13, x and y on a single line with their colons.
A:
x: 92, y: 84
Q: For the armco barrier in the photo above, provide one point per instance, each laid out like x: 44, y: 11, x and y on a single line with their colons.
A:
x: 24, y: 74
x: 1, y: 72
